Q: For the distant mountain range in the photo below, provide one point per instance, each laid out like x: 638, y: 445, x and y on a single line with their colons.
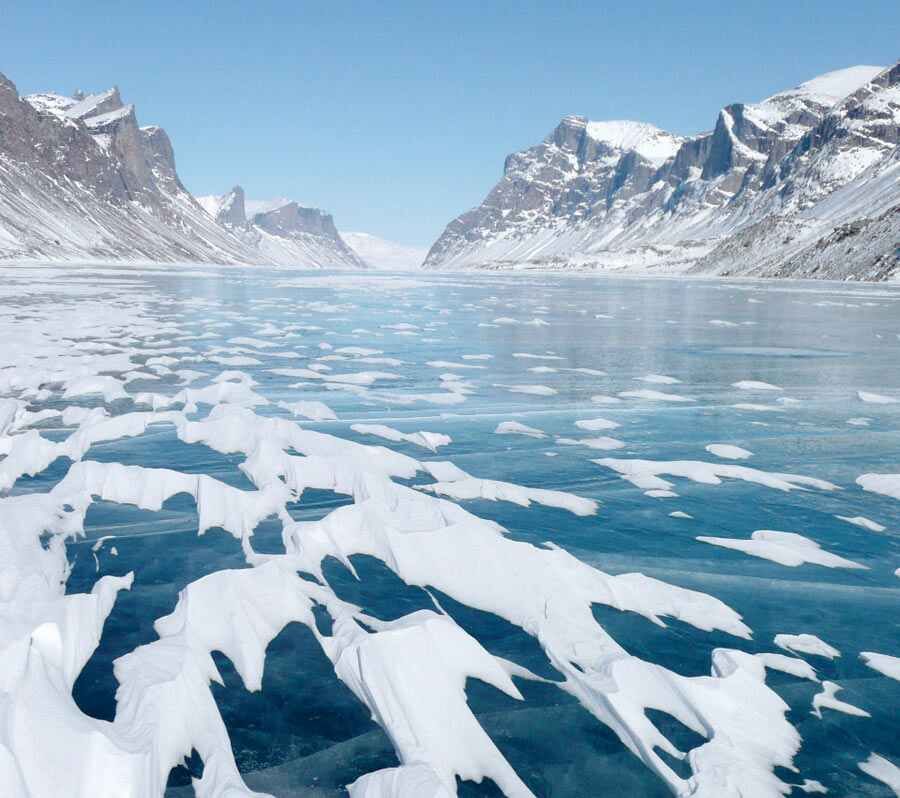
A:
x: 383, y: 254
x: 81, y: 180
x: 803, y: 184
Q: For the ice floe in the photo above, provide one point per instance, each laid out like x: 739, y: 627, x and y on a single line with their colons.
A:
x: 885, y: 484
x: 728, y: 451
x: 785, y: 548
x: 517, y: 428
x: 427, y: 440
x: 755, y: 385
x: 534, y: 390
x: 876, y: 398
x: 883, y: 770
x: 654, y: 396
x: 826, y: 700
x: 806, y: 644
x: 883, y: 663
x: 314, y: 411
x: 862, y: 521
x: 494, y: 490
x: 645, y: 474
x: 596, y: 424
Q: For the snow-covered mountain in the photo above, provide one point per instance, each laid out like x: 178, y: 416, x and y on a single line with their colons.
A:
x: 805, y: 183
x: 383, y: 254
x: 80, y: 179
x: 281, y: 231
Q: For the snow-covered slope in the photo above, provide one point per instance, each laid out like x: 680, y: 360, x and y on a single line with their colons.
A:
x: 283, y: 232
x: 80, y: 179
x: 382, y: 254
x: 774, y: 189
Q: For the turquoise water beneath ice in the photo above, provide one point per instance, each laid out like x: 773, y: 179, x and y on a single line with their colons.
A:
x: 305, y: 733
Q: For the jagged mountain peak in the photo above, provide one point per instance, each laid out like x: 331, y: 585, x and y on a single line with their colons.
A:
x: 96, y: 104
x: 627, y: 194
x: 227, y: 209
x: 81, y: 180
x: 293, y: 217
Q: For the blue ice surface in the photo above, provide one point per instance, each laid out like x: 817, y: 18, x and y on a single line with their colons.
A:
x: 305, y: 734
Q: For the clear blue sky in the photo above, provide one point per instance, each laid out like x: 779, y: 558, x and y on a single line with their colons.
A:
x: 396, y: 116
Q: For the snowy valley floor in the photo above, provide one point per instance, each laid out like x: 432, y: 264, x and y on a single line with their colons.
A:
x: 458, y: 534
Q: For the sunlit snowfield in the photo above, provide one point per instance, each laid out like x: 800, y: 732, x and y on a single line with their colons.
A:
x: 579, y: 672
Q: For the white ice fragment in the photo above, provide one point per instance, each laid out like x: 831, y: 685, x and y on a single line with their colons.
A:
x: 427, y: 440
x: 109, y: 387
x: 517, y: 428
x: 885, y: 484
x: 659, y: 379
x: 407, y: 781
x: 83, y: 416
x: 792, y: 665
x: 882, y: 770
x: 444, y: 471
x: 534, y: 390
x: 363, y: 378
x: 755, y: 385
x: 449, y: 364
x: 826, y: 700
x: 596, y: 424
x: 494, y: 490
x: 728, y: 451
x: 883, y: 663
x: 784, y: 548
x: 805, y: 643
x: 812, y: 786
x: 601, y: 399
x: 644, y: 474
x: 412, y: 673
x: 876, y: 398
x: 862, y: 521
x: 358, y: 351
x: 234, y: 360
x: 529, y: 356
x: 232, y: 375
x: 654, y: 396
x: 314, y: 411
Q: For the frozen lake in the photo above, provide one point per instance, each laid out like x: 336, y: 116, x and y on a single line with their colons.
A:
x: 737, y: 443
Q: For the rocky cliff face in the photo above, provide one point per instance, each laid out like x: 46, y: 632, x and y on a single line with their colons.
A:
x: 81, y: 180
x: 285, y: 234
x: 762, y: 193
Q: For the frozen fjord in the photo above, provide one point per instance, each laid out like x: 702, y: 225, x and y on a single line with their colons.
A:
x: 365, y: 610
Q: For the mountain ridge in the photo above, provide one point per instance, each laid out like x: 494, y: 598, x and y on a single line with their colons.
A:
x: 81, y: 180
x: 605, y: 202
